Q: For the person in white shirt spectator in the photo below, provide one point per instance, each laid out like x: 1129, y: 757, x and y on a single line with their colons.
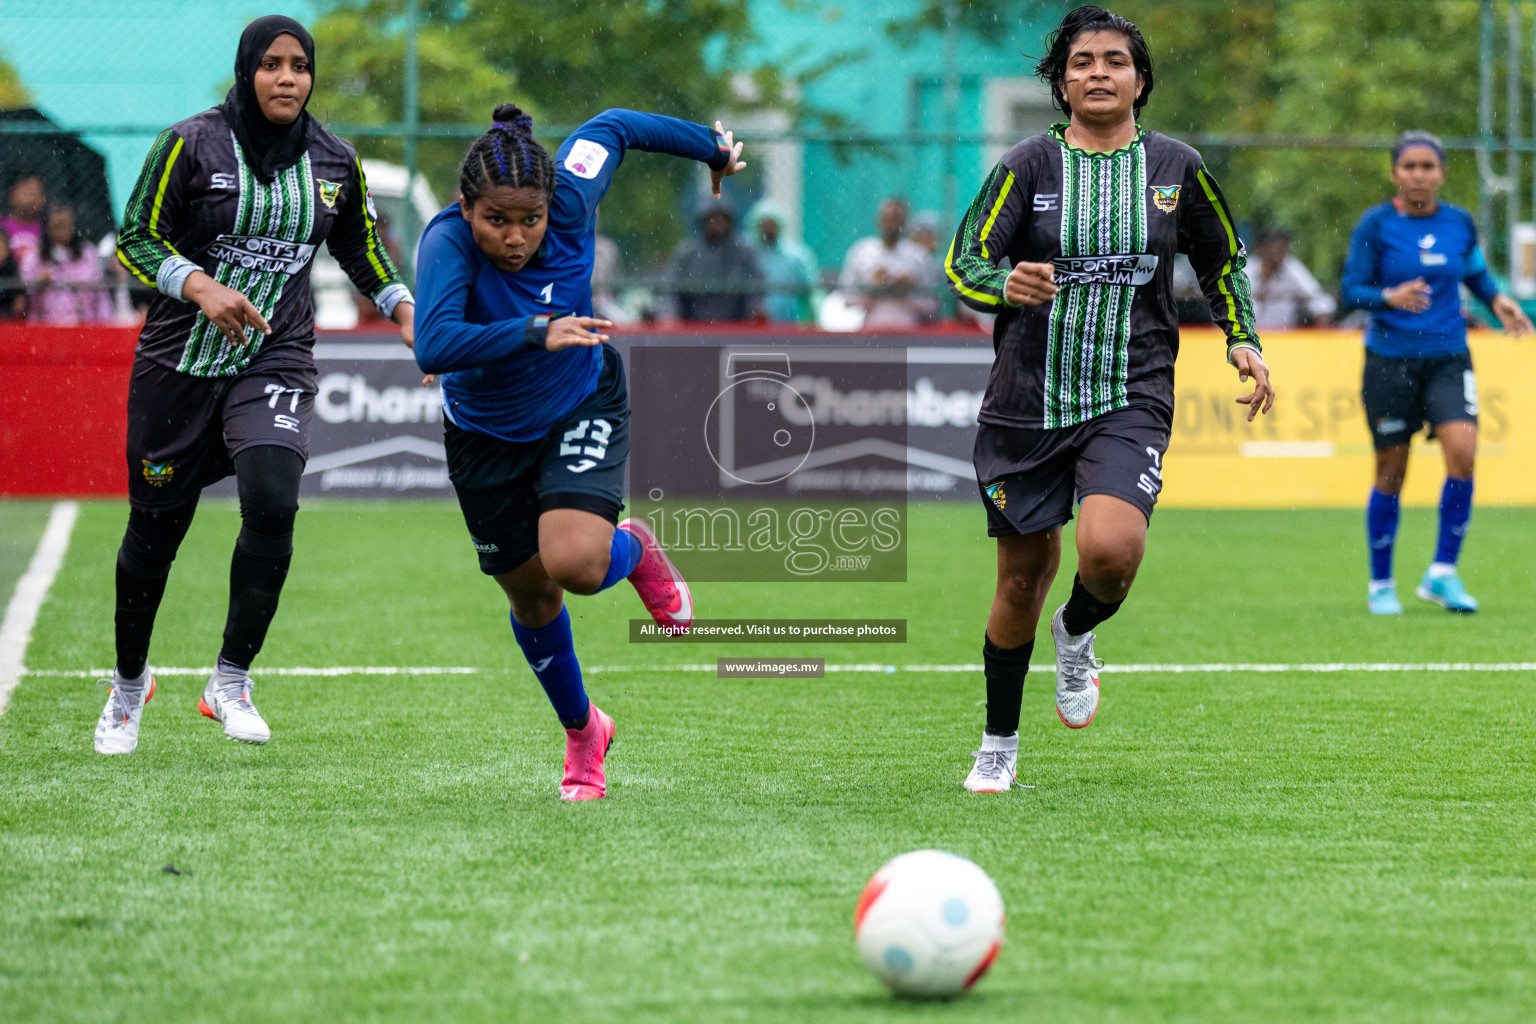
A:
x: 1285, y: 294
x: 892, y: 277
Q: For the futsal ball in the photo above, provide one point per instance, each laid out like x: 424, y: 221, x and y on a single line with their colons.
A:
x: 929, y: 923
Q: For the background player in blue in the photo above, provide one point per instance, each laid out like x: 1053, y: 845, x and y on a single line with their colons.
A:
x: 1407, y: 258
x: 536, y: 407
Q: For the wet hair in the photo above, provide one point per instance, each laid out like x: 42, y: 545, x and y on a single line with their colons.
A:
x: 1410, y: 139
x: 1052, y: 68
x: 507, y: 155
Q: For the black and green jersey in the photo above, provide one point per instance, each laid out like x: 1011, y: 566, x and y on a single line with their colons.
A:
x: 198, y: 206
x: 1111, y: 224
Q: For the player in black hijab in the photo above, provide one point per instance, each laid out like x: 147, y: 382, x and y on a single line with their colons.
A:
x: 269, y: 147
x: 224, y: 223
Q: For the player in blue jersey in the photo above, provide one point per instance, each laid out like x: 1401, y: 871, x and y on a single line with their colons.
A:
x: 1407, y: 258
x: 535, y: 402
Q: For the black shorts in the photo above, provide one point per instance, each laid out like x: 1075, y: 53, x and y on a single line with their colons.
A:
x: 184, y: 431
x: 1030, y: 479
x: 504, y: 486
x: 1401, y: 394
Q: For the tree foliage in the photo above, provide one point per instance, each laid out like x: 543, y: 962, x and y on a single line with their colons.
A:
x: 13, y: 92
x: 1298, y: 68
x: 561, y: 61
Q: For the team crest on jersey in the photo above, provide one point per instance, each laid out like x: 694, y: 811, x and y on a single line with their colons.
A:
x: 329, y: 190
x: 995, y: 492
x: 1165, y: 197
x: 157, y: 473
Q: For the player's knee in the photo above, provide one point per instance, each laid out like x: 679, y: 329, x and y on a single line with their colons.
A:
x: 1025, y: 587
x: 152, y: 539
x: 268, y: 480
x: 575, y: 570
x: 536, y: 606
x: 1109, y: 566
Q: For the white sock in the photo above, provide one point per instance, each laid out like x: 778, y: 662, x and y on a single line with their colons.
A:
x: 131, y: 685
x: 1439, y: 569
x: 1382, y: 584
x: 991, y: 742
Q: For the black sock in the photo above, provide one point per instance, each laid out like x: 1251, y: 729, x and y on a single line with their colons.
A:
x: 1084, y: 611
x: 255, y: 583
x: 144, y: 562
x: 138, y: 599
x: 1005, y: 670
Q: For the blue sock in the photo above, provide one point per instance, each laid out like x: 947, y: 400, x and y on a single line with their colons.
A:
x: 1381, y: 530
x: 1455, y: 513
x: 622, y: 557
x: 552, y: 656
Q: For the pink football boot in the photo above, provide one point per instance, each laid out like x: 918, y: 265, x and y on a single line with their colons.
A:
x: 658, y: 582
x: 584, y: 752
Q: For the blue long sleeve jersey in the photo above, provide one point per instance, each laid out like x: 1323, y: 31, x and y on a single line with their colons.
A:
x: 1388, y: 247
x: 483, y: 328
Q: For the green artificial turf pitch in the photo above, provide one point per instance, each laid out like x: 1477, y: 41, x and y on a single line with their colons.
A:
x: 1225, y: 847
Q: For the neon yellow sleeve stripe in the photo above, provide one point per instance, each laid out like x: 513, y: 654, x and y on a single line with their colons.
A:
x: 133, y: 269
x: 372, y: 241
x: 1221, y: 282
x: 960, y: 286
x: 165, y: 177
x: 997, y: 207
x: 1221, y: 212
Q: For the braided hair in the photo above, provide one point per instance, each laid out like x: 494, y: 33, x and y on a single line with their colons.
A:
x: 507, y: 154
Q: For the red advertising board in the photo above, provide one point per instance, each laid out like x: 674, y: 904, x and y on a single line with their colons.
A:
x: 63, y: 409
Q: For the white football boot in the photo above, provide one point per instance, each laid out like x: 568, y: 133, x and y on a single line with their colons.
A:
x: 227, y: 699
x: 1077, y: 675
x: 117, y: 730
x: 996, y: 764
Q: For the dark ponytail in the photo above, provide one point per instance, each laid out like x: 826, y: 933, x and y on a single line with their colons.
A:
x: 508, y: 155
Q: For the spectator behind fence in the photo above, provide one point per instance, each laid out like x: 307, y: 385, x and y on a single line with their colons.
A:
x: 891, y: 276
x: 715, y: 277
x: 66, y: 279
x: 23, y: 219
x: 788, y: 266
x: 607, y: 270
x: 13, y: 294
x: 925, y: 231
x: 1285, y: 293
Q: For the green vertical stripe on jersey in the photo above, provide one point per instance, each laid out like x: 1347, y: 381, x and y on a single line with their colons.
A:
x: 1103, y: 212
x: 283, y: 209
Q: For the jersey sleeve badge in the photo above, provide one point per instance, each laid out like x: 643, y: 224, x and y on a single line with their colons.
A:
x: 586, y: 158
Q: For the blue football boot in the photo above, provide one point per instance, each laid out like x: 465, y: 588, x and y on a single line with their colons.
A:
x: 1383, y: 598
x: 1448, y: 592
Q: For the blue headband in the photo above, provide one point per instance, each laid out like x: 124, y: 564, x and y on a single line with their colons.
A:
x: 1409, y: 140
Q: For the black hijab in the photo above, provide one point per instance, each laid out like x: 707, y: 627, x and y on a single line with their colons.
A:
x: 269, y: 148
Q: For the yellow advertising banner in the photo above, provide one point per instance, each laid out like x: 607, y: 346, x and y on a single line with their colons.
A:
x: 1313, y: 449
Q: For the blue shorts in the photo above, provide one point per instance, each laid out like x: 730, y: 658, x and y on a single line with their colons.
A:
x: 504, y: 486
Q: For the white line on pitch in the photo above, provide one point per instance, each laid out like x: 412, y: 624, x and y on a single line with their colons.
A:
x: 1129, y: 669
x: 1149, y: 669
x: 31, y: 592
x: 259, y: 671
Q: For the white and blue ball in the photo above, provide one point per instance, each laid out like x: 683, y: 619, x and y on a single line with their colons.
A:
x: 929, y: 924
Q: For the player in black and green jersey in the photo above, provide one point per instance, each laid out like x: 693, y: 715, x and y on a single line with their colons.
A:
x: 223, y: 223
x: 1080, y: 399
